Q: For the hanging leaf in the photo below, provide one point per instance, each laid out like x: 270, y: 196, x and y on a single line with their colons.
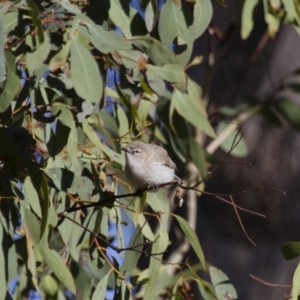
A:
x: 34, y: 14
x: 296, y: 283
x: 158, y: 247
x: 107, y: 41
x: 85, y: 74
x: 157, y: 51
x: 171, y: 73
x: 192, y: 238
x: 59, y: 60
x: 12, y: 83
x: 247, y: 18
x: 35, y: 59
x: 101, y: 288
x: 183, y: 105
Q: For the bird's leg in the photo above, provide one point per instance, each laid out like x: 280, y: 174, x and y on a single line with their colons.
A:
x: 155, y: 188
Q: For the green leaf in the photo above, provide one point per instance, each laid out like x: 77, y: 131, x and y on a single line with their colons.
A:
x: 49, y: 285
x: 178, y: 21
x: 58, y: 266
x: 205, y: 289
x: 171, y: 73
x: 157, y: 51
x: 296, y: 283
x: 150, y: 15
x: 120, y: 16
x: 71, y: 236
x: 185, y: 107
x: 12, y: 83
x: 272, y: 20
x: 156, y: 83
x: 85, y: 73
x: 195, y: 93
x: 32, y: 196
x: 92, y: 135
x: 33, y: 227
x: 82, y: 280
x: 223, y: 288
x: 100, y: 291
x: 290, y: 10
x: 289, y: 110
x: 131, y: 257
x: 10, y: 21
x: 34, y: 14
x: 8, y: 249
x: 197, y: 156
x: 122, y: 122
x: 247, y: 18
x: 158, y: 247
x: 146, y: 229
x: 64, y: 179
x: 159, y: 202
x: 290, y: 250
x: 35, y: 59
x: 107, y: 41
x: 192, y: 237
x: 203, y: 12
x: 3, y: 280
x: 70, y: 7
x: 64, y: 132
x: 60, y: 58
x: 172, y: 22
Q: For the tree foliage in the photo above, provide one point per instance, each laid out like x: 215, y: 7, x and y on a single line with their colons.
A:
x: 78, y: 80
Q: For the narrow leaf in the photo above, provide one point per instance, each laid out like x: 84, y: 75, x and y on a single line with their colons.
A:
x: 171, y: 73
x: 34, y: 14
x: 107, y: 41
x: 247, y: 18
x: 12, y: 83
x: 85, y: 73
x: 184, y: 106
x: 100, y: 291
x: 192, y: 237
x: 296, y: 283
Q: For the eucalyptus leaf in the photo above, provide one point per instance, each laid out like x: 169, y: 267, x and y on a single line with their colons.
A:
x: 296, y: 283
x: 12, y: 83
x: 192, y: 238
x: 107, y: 41
x: 222, y: 285
x: 85, y: 73
x: 184, y: 106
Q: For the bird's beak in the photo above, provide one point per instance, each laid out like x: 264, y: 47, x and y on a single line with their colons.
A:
x: 125, y: 149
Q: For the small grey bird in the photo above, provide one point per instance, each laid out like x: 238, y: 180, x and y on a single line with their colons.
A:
x: 148, y: 165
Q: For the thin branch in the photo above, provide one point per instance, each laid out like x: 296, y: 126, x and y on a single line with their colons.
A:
x: 277, y: 285
x: 240, y: 221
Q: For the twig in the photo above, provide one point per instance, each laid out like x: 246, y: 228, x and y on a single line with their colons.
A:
x: 270, y: 283
x: 240, y: 221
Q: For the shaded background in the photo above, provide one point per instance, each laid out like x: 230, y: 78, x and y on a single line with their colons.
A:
x: 242, y: 69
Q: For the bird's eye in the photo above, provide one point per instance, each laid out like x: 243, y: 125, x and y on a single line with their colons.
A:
x: 137, y: 151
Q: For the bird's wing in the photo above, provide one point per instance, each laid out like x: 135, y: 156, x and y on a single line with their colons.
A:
x: 170, y: 164
x: 159, y: 152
